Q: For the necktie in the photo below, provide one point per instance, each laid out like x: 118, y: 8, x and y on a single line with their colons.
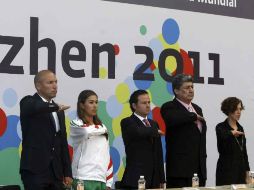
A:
x: 199, y: 124
x: 147, y: 124
x: 52, y: 120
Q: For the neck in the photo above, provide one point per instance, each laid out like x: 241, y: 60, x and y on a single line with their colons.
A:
x: 232, y: 123
x: 184, y: 101
x: 46, y: 98
x: 142, y: 115
x: 89, y: 119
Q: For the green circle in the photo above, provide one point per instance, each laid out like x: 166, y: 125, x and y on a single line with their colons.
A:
x: 143, y: 29
x: 159, y: 85
x: 106, y: 120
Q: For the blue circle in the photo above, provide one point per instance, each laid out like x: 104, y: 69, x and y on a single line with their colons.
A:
x: 72, y: 114
x: 115, y: 159
x: 163, y: 144
x: 143, y: 84
x: 170, y: 88
x: 10, y: 97
x: 150, y: 115
x: 129, y: 81
x: 170, y: 31
x: 119, y: 145
x: 10, y: 138
x: 113, y: 107
x: 157, y: 48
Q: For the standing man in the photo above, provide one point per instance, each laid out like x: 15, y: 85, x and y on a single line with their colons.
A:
x: 142, y: 143
x: 45, y: 162
x: 185, y: 136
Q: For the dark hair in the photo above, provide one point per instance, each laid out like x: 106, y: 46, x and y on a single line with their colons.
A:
x: 134, y: 97
x: 82, y: 99
x: 229, y: 105
x: 179, y: 79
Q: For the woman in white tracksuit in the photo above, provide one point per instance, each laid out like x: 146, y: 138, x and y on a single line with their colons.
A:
x: 89, y: 138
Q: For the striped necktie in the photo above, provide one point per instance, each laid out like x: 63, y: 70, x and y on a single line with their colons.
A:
x: 147, y: 124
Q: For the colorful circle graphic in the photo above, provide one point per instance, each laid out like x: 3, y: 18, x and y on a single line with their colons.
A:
x: 170, y: 31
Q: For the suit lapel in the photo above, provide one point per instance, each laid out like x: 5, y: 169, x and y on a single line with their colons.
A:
x: 138, y: 121
x: 179, y: 105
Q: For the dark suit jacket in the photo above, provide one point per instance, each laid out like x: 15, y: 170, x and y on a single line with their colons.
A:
x: 143, y: 153
x: 185, y: 144
x: 41, y: 146
x: 233, y: 162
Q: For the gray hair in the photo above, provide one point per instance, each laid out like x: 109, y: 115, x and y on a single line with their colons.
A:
x: 179, y: 79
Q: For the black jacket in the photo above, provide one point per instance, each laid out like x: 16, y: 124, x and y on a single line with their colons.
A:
x: 41, y: 145
x: 185, y: 144
x: 233, y: 162
x: 143, y: 153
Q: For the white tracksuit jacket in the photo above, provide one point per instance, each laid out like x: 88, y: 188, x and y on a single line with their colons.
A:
x: 91, y: 159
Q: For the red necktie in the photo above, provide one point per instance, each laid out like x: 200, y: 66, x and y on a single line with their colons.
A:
x: 147, y: 124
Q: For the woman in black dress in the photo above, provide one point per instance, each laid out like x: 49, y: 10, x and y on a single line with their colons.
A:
x: 232, y: 166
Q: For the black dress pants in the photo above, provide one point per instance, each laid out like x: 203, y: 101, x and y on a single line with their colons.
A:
x: 42, y: 181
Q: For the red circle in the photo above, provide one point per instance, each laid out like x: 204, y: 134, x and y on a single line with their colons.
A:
x: 3, y: 122
x: 157, y: 117
x: 152, y: 66
x: 187, y: 63
x: 70, y: 148
x: 117, y: 49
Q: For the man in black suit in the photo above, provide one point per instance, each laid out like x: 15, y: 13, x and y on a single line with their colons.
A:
x: 143, y: 147
x: 185, y: 136
x: 45, y: 162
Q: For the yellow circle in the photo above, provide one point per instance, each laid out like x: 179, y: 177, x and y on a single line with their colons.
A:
x: 170, y: 64
x: 116, y: 127
x: 120, y: 171
x: 103, y: 73
x: 20, y: 149
x: 149, y: 94
x: 67, y: 123
x: 168, y: 46
x: 122, y: 93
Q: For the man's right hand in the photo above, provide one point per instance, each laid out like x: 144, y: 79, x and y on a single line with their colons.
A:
x: 200, y: 118
x: 63, y: 107
x: 161, y: 132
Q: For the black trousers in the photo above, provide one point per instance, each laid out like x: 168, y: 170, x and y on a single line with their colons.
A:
x: 42, y: 181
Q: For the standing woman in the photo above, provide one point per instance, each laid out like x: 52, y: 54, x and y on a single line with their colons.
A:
x: 89, y: 139
x: 233, y: 165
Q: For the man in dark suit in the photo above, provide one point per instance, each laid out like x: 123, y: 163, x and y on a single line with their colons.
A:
x: 185, y: 136
x: 143, y: 147
x: 45, y: 162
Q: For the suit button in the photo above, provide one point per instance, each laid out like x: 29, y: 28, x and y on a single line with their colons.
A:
x: 53, y: 149
x: 55, y: 134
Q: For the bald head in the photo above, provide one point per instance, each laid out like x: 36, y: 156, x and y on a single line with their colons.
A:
x: 46, y: 84
x: 38, y: 77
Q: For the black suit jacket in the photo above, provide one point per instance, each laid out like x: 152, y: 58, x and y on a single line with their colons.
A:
x: 41, y: 145
x: 185, y: 144
x: 233, y: 162
x: 143, y: 153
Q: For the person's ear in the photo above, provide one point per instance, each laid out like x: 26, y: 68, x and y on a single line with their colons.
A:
x: 176, y: 91
x: 134, y: 106
x: 38, y: 86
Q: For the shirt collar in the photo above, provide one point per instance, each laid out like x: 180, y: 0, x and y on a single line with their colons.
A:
x: 140, y: 117
x: 44, y: 100
x: 184, y: 104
